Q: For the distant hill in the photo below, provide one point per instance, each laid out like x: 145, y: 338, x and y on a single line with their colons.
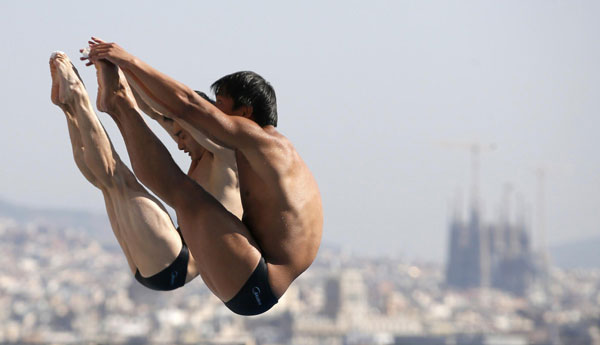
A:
x: 583, y: 253
x: 96, y: 225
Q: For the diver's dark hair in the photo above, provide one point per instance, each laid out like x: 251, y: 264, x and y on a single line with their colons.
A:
x: 250, y: 89
x: 205, y: 96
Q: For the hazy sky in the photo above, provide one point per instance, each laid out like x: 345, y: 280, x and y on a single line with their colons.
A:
x: 381, y: 99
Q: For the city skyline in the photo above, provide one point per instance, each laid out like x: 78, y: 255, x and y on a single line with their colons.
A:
x: 60, y: 285
x: 382, y: 100
x: 572, y: 255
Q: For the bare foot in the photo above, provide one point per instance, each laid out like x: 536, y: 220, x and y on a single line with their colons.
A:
x: 66, y: 83
x: 112, y: 87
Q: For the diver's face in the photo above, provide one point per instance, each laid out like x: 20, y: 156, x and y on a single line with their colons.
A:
x: 187, y: 144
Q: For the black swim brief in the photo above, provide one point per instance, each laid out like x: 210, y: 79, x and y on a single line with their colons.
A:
x: 171, y: 277
x: 256, y: 296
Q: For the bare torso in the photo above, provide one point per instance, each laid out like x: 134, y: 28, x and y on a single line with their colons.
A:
x: 282, y: 204
x: 283, y: 217
x: 219, y: 179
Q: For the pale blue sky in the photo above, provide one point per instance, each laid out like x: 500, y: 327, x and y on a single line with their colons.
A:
x: 377, y: 97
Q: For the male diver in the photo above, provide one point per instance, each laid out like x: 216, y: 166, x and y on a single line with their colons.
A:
x: 155, y: 252
x: 248, y: 264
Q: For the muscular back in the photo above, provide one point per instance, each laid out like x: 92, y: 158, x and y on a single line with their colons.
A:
x: 282, y: 203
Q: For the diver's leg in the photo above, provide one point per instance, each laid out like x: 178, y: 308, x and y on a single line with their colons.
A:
x: 140, y: 222
x: 225, y: 251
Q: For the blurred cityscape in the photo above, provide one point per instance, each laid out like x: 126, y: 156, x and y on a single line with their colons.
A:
x: 61, y: 285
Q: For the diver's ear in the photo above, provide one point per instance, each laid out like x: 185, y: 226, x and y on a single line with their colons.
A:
x: 247, y: 111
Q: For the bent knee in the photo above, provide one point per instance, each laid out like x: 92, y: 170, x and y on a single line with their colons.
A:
x: 281, y: 277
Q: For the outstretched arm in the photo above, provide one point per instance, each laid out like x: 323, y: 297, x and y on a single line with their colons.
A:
x: 203, y: 140
x: 177, y: 101
x: 164, y: 121
x: 149, y: 107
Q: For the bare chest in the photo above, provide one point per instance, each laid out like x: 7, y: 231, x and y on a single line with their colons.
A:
x: 215, y: 177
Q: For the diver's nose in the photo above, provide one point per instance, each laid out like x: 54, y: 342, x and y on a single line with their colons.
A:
x: 180, y: 144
